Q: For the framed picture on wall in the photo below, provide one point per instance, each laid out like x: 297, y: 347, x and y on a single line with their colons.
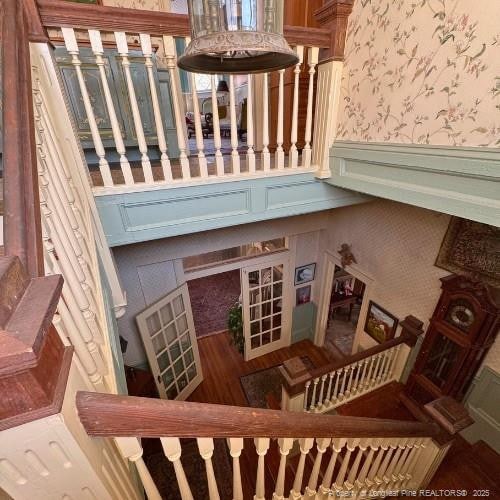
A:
x: 380, y: 324
x: 303, y: 295
x: 304, y: 274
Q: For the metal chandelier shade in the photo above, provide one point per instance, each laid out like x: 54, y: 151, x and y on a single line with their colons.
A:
x: 237, y: 36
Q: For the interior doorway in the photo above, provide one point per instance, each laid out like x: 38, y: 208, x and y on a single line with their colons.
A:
x: 212, y: 297
x: 346, y: 297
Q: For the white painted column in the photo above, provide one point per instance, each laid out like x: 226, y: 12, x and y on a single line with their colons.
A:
x: 261, y: 447
x: 285, y: 445
x: 219, y: 159
x: 280, y: 153
x: 206, y: 447
x: 147, y: 51
x: 266, y: 155
x: 313, y: 54
x: 235, y: 449
x: 305, y: 447
x: 173, y: 451
x: 321, y: 446
x: 97, y: 49
x: 72, y: 48
x: 122, y: 46
x: 250, y: 127
x: 180, y: 119
x: 235, y: 157
x: 294, y: 153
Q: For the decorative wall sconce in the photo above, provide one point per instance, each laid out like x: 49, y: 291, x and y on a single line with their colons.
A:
x: 237, y: 36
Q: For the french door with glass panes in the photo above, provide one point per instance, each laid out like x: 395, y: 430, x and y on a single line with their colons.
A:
x: 167, y: 331
x: 266, y: 306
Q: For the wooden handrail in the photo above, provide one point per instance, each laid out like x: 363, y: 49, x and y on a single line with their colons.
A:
x: 22, y: 233
x: 108, y: 415
x: 58, y: 13
x: 411, y: 331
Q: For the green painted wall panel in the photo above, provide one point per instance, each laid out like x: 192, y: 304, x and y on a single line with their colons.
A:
x: 177, y: 210
x: 303, y: 322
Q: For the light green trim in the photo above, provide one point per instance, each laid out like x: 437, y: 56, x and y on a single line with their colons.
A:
x: 459, y: 181
x: 303, y: 322
x: 482, y: 403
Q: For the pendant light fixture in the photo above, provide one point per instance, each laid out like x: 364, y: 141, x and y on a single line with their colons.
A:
x: 237, y: 36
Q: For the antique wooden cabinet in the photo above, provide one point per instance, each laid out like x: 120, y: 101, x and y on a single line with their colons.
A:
x: 462, y: 329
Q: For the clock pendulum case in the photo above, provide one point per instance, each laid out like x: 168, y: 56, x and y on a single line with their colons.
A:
x: 462, y: 329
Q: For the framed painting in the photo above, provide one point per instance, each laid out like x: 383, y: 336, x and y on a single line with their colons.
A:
x: 304, y: 274
x: 303, y: 295
x: 380, y: 324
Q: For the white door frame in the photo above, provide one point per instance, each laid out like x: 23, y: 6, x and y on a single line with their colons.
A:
x: 330, y: 261
x: 284, y: 258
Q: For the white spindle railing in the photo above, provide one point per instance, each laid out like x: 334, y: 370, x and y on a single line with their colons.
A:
x: 341, y: 467
x: 339, y: 386
x: 262, y: 153
x: 70, y: 224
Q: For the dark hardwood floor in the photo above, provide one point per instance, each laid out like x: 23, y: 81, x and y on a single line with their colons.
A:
x: 223, y: 366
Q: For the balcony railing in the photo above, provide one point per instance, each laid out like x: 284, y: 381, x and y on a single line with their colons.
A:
x: 267, y: 128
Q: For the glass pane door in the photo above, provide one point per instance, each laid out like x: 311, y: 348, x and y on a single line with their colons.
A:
x: 167, y: 331
x: 266, y: 311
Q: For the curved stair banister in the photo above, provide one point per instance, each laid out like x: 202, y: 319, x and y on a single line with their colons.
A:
x: 323, y: 389
x: 350, y: 454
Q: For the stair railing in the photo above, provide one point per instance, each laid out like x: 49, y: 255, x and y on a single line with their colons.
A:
x: 273, y: 136
x: 323, y: 389
x: 349, y: 455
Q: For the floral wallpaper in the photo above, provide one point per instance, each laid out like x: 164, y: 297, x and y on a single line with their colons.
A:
x: 422, y: 71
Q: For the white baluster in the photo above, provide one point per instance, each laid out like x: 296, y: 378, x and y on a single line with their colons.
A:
x: 392, y: 365
x: 285, y: 445
x: 342, y: 394
x: 206, y: 447
x: 312, y: 57
x: 379, y: 476
x: 313, y: 397
x: 280, y: 153
x: 235, y: 449
x: 321, y: 446
x: 130, y: 448
x: 360, y: 480
x: 335, y: 395
x: 122, y: 46
x: 250, y: 128
x: 294, y: 153
x: 329, y: 391
x: 351, y: 478
x: 321, y: 401
x: 389, y: 473
x: 97, y: 49
x: 180, y: 119
x: 409, y: 468
x: 362, y: 382
x: 355, y: 385
x: 219, y: 159
x: 349, y: 383
x: 371, y: 367
x: 173, y: 451
x: 308, y: 384
x: 376, y: 372
x: 382, y: 449
x: 326, y: 486
x: 73, y: 50
x: 339, y: 481
x: 235, y: 156
x: 305, y: 447
x: 261, y: 446
x: 397, y: 476
x: 147, y: 52
x: 266, y: 155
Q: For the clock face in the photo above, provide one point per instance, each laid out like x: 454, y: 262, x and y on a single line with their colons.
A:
x: 461, y: 315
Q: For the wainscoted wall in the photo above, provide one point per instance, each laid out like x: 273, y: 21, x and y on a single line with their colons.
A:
x: 396, y: 245
x: 422, y: 72
x: 150, y: 270
x: 482, y: 403
x: 162, y: 213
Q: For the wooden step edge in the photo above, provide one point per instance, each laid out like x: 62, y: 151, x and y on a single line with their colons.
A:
x: 23, y: 336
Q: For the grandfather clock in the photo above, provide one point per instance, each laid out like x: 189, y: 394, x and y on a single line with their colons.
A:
x: 462, y: 329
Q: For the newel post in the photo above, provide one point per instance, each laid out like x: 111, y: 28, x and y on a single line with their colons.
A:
x: 293, y: 394
x: 412, y: 329
x: 333, y: 16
